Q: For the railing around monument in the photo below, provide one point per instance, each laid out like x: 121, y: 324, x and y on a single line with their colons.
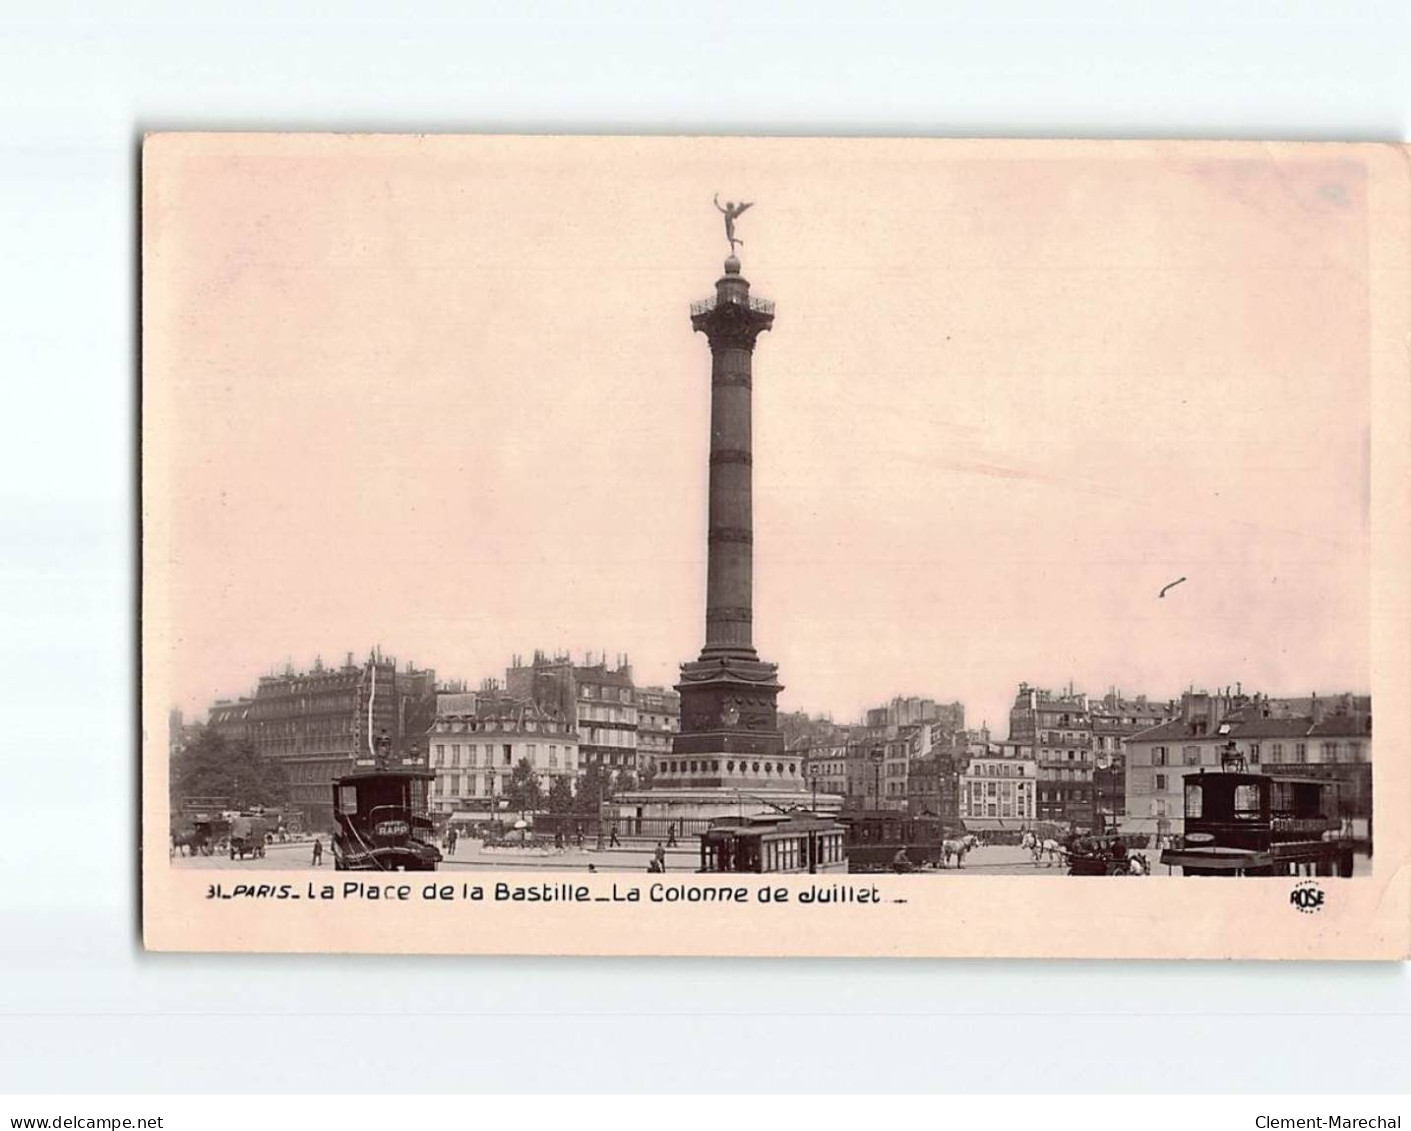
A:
x: 573, y: 825
x: 706, y: 305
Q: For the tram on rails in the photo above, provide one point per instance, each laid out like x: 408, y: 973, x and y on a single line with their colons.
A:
x: 774, y: 843
x: 877, y: 840
x: 1248, y: 824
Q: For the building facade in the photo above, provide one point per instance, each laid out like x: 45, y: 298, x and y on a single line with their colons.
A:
x: 315, y: 723
x: 1328, y: 737
x: 477, y: 740
x: 1059, y: 728
x: 825, y: 766
x: 1114, y: 719
x: 933, y: 787
x: 862, y: 765
x: 658, y: 721
x: 597, y: 700
x: 1000, y: 791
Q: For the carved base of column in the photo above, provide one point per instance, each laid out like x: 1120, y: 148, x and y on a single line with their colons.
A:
x: 729, y: 706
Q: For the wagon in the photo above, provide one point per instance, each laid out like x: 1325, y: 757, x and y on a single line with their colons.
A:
x: 1097, y: 862
x: 247, y: 838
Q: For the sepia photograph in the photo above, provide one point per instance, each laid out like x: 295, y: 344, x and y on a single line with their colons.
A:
x: 925, y: 529
x: 845, y: 564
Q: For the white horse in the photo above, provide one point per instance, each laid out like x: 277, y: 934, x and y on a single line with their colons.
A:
x: 1052, y: 849
x: 956, y: 848
x: 1029, y: 842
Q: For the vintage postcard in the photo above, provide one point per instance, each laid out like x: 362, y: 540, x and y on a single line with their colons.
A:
x: 739, y: 546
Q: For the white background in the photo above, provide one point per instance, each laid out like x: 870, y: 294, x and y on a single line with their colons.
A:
x: 82, y: 1007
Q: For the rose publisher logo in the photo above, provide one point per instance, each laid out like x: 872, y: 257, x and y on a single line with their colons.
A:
x: 1307, y: 897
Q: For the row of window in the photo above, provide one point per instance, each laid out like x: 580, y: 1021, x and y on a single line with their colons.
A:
x: 997, y: 769
x: 595, y: 691
x: 1063, y: 738
x: 507, y: 725
x: 608, y: 757
x: 1071, y: 795
x: 1065, y: 774
x: 1063, y: 719
x: 1279, y: 753
x: 331, y: 700
x: 457, y: 755
x: 608, y: 714
x: 1074, y: 755
x: 996, y: 809
x: 791, y: 853
x: 606, y: 736
x: 469, y: 785
x: 998, y: 788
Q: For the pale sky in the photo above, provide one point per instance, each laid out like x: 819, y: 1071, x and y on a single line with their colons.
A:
x: 443, y: 395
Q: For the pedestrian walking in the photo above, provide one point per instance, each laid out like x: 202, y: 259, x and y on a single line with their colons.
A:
x: 660, y: 857
x: 318, y: 852
x: 671, y: 835
x: 614, y: 843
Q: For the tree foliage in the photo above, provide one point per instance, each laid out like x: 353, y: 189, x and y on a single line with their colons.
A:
x: 561, y: 796
x: 523, y: 791
x: 209, y: 766
x: 594, y: 787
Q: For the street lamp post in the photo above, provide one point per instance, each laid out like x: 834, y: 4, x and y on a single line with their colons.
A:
x: 877, y: 757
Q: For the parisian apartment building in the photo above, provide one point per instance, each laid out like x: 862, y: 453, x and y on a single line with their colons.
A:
x: 658, y: 722
x: 1328, y: 737
x: 479, y: 738
x: 598, y: 698
x: 1000, y: 789
x: 317, y: 722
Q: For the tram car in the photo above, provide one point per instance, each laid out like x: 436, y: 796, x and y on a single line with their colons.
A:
x: 1247, y: 824
x: 381, y: 822
x: 774, y: 843
x: 877, y: 840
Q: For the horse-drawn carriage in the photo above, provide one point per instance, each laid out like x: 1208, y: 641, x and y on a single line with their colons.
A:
x: 199, y: 836
x: 1102, y: 856
x: 248, y: 836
